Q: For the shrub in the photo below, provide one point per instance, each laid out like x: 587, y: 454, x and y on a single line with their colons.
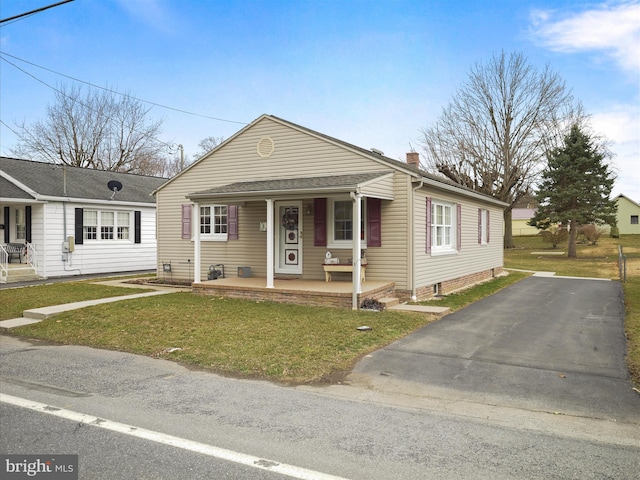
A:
x: 590, y: 233
x: 555, y: 235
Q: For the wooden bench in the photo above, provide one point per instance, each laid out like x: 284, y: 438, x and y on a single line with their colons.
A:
x: 15, y: 249
x: 342, y: 267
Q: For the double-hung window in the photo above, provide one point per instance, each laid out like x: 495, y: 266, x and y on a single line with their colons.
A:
x: 105, y: 225
x: 441, y: 226
x: 340, y: 223
x: 21, y: 224
x: 214, y: 222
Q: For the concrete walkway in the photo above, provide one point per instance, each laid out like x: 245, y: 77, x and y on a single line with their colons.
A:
x: 35, y: 315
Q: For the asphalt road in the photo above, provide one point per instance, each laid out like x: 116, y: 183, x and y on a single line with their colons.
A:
x: 547, y: 344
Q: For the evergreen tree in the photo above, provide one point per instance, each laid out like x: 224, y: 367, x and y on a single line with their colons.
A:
x: 575, y: 188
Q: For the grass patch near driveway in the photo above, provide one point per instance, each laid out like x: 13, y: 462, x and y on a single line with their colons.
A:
x: 287, y: 343
x: 456, y: 301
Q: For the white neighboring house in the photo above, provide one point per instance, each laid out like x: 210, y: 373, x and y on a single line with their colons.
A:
x: 72, y: 222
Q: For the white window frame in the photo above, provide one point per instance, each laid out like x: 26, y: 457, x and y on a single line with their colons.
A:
x: 101, y: 228
x: 446, y: 228
x: 217, y: 225
x: 331, y: 234
x: 484, y: 215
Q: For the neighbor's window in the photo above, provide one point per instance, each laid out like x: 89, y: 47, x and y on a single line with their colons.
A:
x: 111, y: 225
x: 634, y: 219
x: 214, y: 222
x: 341, y: 223
x: 123, y: 226
x: 21, y: 224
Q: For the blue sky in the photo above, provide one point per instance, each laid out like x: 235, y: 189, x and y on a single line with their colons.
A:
x: 372, y: 73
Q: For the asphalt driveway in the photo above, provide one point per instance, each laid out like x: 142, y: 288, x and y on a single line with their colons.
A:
x: 549, y: 344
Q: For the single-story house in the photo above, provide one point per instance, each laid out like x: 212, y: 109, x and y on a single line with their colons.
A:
x: 279, y: 201
x: 628, y: 215
x: 75, y: 221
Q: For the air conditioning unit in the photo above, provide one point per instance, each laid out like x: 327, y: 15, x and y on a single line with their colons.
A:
x: 244, y: 272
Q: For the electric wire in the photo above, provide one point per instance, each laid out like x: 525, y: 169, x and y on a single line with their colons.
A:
x: 118, y: 93
x: 170, y: 146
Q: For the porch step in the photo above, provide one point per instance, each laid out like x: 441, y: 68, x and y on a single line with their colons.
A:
x: 389, y: 301
x: 21, y: 274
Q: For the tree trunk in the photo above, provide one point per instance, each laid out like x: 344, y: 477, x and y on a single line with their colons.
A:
x: 508, y: 229
x: 573, y: 234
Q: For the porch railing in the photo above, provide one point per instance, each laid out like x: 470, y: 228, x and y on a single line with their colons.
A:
x: 4, y: 264
x: 32, y: 257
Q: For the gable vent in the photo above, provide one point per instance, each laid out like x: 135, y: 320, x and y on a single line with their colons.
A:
x: 265, y: 147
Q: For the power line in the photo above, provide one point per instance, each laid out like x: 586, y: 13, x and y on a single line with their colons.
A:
x: 113, y: 91
x: 37, y: 10
x: 171, y: 146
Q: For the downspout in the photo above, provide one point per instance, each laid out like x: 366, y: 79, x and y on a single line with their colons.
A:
x: 196, y: 244
x: 411, y: 235
x: 357, y: 248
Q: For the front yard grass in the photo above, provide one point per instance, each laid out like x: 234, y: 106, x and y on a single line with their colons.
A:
x: 286, y: 343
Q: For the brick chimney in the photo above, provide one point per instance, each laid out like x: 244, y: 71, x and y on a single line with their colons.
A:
x: 413, y: 158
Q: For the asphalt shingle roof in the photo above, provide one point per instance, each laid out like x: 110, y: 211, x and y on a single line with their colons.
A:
x: 297, y: 184
x: 48, y: 179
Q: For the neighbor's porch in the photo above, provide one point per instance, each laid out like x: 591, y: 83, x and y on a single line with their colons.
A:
x: 295, y: 291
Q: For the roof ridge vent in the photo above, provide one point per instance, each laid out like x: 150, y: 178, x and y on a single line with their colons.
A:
x: 379, y: 152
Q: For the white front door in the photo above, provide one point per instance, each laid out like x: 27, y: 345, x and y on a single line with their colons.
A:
x: 288, y: 237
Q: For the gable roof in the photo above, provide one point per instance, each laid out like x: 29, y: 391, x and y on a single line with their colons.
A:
x: 30, y: 180
x: 628, y: 199
x: 420, y: 175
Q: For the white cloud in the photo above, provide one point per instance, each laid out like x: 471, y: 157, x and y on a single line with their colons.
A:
x: 613, y: 29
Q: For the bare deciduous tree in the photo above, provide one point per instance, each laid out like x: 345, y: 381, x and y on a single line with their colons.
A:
x: 493, y: 135
x: 207, y: 144
x: 101, y: 130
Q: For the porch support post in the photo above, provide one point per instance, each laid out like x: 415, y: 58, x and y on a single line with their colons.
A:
x: 270, y: 236
x: 357, y: 247
x: 195, y: 224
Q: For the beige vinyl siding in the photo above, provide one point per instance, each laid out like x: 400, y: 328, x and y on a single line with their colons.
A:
x: 472, y: 257
x: 296, y: 154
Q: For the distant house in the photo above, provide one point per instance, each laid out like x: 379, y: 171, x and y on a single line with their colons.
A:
x: 276, y: 199
x: 628, y: 215
x: 522, y: 212
x: 76, y: 221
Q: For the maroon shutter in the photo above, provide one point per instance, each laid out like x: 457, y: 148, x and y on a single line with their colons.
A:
x: 374, y: 222
x: 428, y: 232
x: 232, y: 221
x: 479, y: 226
x: 320, y: 222
x: 459, y: 226
x: 488, y: 226
x: 186, y: 221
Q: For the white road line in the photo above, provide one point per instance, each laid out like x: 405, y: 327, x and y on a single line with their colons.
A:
x: 221, y: 453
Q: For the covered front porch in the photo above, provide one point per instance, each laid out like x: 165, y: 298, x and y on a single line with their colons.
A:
x: 296, y: 291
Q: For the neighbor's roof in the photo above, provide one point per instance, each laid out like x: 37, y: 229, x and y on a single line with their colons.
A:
x: 26, y: 179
